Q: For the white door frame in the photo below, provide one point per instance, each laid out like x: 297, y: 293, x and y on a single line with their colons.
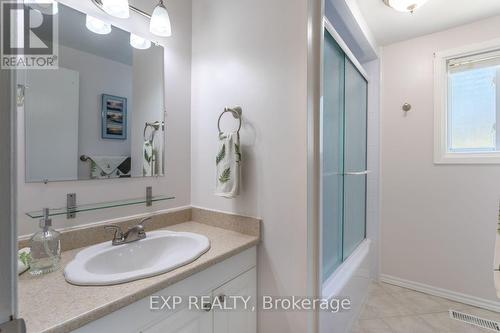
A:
x: 8, y: 239
x: 8, y: 259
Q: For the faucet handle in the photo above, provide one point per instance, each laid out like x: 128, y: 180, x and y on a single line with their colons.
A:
x: 140, y: 227
x: 118, y: 231
x: 149, y: 218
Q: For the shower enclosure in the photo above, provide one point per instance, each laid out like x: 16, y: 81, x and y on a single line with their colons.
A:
x: 343, y: 149
x: 343, y: 156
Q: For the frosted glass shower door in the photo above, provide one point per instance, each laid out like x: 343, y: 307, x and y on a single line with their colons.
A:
x: 343, y: 157
x: 332, y: 142
x: 355, y: 173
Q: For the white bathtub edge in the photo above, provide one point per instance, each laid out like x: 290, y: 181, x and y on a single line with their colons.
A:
x: 334, y: 285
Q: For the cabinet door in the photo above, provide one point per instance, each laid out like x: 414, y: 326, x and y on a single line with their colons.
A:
x: 240, y: 320
x: 184, y: 321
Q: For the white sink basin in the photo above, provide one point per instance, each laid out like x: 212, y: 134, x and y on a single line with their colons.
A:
x: 161, y: 251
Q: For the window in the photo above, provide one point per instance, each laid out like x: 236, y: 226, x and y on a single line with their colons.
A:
x: 467, y: 105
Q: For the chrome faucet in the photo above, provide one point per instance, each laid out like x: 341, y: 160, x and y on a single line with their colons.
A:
x: 133, y: 234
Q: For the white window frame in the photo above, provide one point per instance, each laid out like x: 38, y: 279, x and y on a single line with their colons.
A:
x: 441, y: 153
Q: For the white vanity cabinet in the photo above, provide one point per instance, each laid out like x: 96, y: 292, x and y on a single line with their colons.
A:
x: 237, y: 321
x: 184, y: 321
x: 212, y: 320
x: 227, y: 281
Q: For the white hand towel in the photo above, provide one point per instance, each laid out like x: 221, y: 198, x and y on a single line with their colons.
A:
x: 148, y: 159
x: 227, y: 162
x: 23, y: 265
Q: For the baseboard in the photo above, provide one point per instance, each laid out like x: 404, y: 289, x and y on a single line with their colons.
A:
x: 440, y: 292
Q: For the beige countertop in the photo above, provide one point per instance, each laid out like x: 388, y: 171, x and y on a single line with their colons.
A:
x: 51, y: 305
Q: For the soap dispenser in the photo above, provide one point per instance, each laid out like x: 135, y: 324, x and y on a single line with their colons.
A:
x: 45, y: 247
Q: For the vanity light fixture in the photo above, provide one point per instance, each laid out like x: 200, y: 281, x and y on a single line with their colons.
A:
x: 159, y: 24
x: 97, y: 26
x: 160, y: 21
x: 405, y: 5
x: 116, y: 8
x: 139, y: 42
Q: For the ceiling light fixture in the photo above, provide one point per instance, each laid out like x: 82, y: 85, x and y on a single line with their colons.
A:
x: 139, y: 42
x: 405, y: 5
x: 116, y: 8
x: 160, y: 21
x: 97, y: 26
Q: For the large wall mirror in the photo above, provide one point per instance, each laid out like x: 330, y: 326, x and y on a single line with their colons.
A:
x: 101, y: 114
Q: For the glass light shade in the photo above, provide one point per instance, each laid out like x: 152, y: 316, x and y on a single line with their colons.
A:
x: 46, y: 5
x: 405, y: 5
x: 97, y: 26
x: 160, y: 22
x: 116, y: 8
x: 139, y: 42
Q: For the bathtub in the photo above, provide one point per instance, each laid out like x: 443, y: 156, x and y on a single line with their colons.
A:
x: 350, y: 280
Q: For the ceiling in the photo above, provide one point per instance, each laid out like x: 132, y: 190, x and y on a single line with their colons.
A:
x: 389, y: 26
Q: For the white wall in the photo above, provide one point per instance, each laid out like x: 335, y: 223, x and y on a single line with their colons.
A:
x: 177, y: 96
x: 373, y: 162
x: 253, y: 53
x: 438, y: 221
x: 149, y: 101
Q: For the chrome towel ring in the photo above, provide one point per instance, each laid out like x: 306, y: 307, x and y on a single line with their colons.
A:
x: 155, y: 127
x: 236, y: 112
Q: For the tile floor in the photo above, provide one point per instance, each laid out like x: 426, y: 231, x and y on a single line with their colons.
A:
x: 392, y: 309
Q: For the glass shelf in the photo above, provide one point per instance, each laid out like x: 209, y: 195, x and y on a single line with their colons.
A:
x: 98, y: 206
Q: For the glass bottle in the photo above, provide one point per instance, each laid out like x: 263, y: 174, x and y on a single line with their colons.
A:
x: 45, y: 247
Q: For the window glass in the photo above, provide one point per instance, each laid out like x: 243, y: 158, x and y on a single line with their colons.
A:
x: 472, y: 110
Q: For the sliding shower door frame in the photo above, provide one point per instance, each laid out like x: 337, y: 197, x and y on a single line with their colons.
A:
x: 328, y: 27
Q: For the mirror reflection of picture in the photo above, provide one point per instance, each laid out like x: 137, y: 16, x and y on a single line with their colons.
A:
x: 114, y: 117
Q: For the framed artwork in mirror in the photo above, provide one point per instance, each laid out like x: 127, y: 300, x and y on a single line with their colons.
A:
x: 114, y: 117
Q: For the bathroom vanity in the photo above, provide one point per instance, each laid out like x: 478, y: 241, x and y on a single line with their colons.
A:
x: 50, y: 304
x: 234, y: 277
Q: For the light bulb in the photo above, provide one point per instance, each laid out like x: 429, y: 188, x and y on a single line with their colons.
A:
x: 116, y: 8
x: 139, y: 42
x: 97, y: 26
x: 405, y: 5
x: 160, y: 22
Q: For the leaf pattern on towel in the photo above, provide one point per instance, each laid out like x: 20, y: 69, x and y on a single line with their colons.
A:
x: 238, y: 152
x: 225, y: 176
x: 25, y: 258
x: 220, y: 156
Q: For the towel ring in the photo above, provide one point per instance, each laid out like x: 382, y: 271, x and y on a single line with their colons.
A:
x: 155, y: 126
x: 236, y: 112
